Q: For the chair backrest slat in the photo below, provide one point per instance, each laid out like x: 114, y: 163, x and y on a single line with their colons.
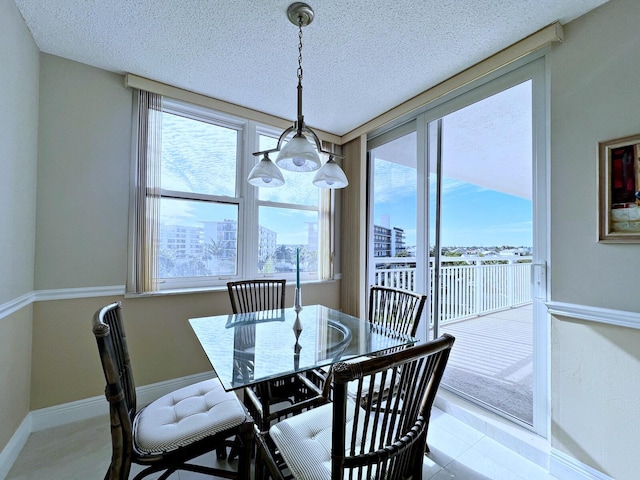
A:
x: 255, y: 295
x: 387, y: 436
x: 396, y: 309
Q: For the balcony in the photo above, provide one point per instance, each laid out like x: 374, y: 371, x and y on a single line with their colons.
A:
x: 485, y: 302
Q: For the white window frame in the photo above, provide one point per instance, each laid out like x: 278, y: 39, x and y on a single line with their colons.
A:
x: 246, y: 199
x: 203, y: 114
x: 304, y: 276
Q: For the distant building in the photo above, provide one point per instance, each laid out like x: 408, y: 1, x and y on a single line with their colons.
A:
x: 217, y: 241
x: 312, y: 237
x: 267, y: 243
x: 398, y: 241
x: 183, y: 241
x: 381, y: 241
x: 388, y: 242
x: 223, y: 238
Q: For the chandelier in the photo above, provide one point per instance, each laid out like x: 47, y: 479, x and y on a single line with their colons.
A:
x: 301, y: 153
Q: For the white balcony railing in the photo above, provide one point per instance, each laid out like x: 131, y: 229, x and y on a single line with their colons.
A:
x: 469, y: 286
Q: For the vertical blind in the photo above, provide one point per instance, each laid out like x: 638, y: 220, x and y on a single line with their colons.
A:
x: 146, y: 205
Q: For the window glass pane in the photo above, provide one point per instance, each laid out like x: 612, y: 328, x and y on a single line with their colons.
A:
x: 483, y: 272
x: 197, y: 239
x: 198, y: 156
x: 266, y: 142
x: 298, y: 187
x: 282, y: 230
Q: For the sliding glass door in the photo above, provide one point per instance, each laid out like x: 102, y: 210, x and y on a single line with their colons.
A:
x: 458, y: 210
x: 393, y: 212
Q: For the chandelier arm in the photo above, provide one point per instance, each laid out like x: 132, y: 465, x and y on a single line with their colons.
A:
x: 265, y: 152
x: 316, y: 140
x: 318, y: 143
x: 331, y: 154
x: 284, y: 135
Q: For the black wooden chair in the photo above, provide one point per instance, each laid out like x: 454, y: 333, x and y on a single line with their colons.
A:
x: 268, y: 401
x: 174, y: 429
x: 256, y: 295
x: 396, y: 309
x: 389, y: 309
x: 383, y: 437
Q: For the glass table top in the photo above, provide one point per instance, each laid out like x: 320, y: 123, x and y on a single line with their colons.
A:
x: 248, y: 348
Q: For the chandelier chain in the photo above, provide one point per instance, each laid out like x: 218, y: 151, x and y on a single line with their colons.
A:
x: 300, y: 49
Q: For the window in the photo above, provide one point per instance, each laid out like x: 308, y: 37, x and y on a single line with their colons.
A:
x: 289, y: 214
x: 197, y: 222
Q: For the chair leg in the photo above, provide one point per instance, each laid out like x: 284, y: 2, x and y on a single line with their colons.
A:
x: 245, y: 450
x: 259, y: 466
x: 221, y: 452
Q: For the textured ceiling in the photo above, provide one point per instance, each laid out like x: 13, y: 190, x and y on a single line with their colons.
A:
x: 360, y: 58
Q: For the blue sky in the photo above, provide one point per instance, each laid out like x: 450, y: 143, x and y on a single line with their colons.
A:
x: 200, y: 157
x: 489, y: 139
x: 486, y: 174
x: 471, y: 215
x: 475, y: 216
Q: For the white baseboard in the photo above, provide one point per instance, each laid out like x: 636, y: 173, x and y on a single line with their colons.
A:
x: 12, y: 450
x: 57, y: 415
x: 92, y: 407
x: 66, y: 413
x: 532, y: 447
x: 565, y: 467
x: 518, y: 439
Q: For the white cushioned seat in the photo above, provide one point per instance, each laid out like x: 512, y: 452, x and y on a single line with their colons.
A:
x: 304, y: 441
x: 186, y: 415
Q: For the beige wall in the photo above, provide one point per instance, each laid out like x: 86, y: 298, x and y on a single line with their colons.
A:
x: 162, y: 345
x: 83, y: 176
x: 595, y: 368
x: 15, y: 371
x: 595, y: 392
x: 18, y: 157
x: 353, y: 243
x: 18, y: 152
x: 83, y: 194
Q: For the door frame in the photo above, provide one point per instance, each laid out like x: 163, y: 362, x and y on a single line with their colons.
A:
x: 534, y: 68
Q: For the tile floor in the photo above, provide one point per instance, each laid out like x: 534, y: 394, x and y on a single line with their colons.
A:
x: 81, y: 451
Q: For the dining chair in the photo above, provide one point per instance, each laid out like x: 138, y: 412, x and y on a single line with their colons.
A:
x: 171, y: 431
x: 396, y: 309
x: 390, y: 308
x: 382, y: 438
x: 255, y: 295
x: 268, y: 401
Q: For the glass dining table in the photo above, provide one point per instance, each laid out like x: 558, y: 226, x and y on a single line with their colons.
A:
x: 249, y: 348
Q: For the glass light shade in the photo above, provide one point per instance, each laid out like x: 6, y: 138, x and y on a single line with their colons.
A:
x: 299, y: 155
x: 330, y: 176
x: 265, y: 174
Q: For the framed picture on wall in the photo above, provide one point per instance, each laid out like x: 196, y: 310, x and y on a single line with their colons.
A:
x: 619, y: 190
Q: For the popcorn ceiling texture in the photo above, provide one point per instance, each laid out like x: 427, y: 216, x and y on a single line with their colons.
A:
x: 359, y: 58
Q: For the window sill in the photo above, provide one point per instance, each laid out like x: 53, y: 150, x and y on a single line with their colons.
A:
x: 217, y: 288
